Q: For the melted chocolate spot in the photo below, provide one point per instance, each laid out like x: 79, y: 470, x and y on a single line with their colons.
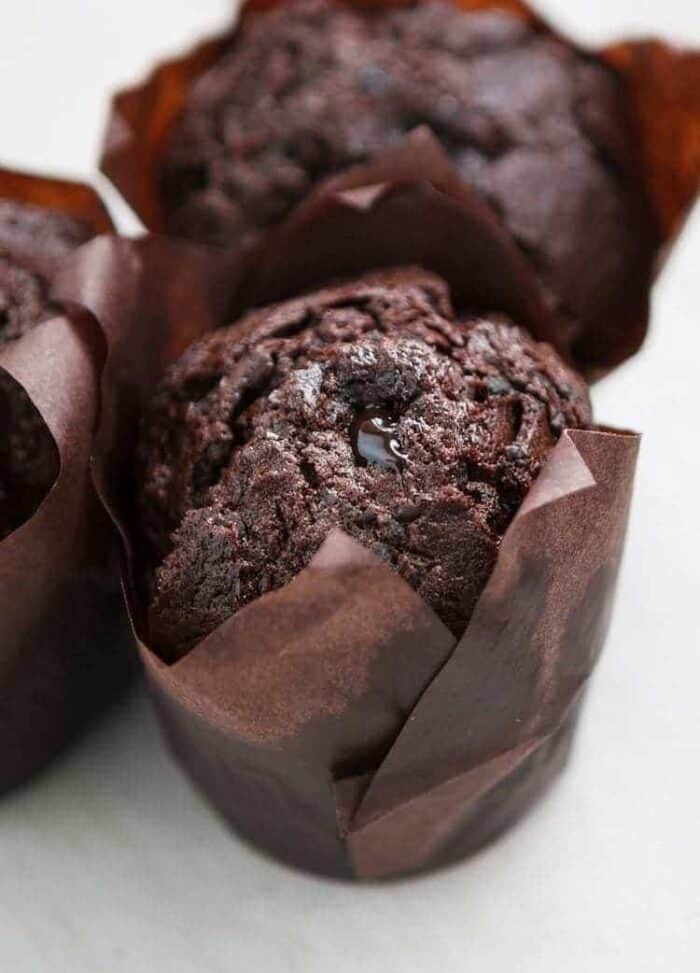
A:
x: 373, y: 436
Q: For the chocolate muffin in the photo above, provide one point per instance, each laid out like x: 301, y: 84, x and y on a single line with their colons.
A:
x: 368, y: 406
x: 31, y: 238
x: 540, y: 130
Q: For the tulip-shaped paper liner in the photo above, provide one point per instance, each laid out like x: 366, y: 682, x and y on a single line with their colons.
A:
x: 663, y: 87
x: 517, y: 673
x: 63, y: 635
x: 335, y: 721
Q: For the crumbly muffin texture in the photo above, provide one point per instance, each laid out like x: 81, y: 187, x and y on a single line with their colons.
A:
x: 540, y: 130
x: 29, y: 234
x: 367, y: 406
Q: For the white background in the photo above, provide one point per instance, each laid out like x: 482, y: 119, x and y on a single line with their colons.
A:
x: 110, y: 862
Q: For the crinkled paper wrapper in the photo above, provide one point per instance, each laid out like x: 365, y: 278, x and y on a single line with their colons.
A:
x: 335, y: 722
x: 664, y: 90
x: 63, y: 635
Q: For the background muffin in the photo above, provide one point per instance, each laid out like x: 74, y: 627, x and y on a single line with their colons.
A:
x: 540, y: 130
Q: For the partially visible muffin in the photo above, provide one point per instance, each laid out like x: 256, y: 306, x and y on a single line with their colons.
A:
x: 542, y: 131
x: 367, y: 406
x: 30, y: 238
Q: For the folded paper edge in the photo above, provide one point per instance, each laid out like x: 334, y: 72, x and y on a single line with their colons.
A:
x: 578, y: 477
x: 174, y: 677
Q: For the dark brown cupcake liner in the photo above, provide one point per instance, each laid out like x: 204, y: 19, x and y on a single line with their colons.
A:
x: 63, y: 632
x: 664, y: 89
x: 335, y: 722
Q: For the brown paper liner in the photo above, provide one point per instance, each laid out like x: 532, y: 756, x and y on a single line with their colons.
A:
x: 663, y: 84
x: 63, y: 633
x: 335, y: 722
x: 63, y: 641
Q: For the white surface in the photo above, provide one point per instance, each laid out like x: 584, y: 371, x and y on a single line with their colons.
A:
x: 111, y: 863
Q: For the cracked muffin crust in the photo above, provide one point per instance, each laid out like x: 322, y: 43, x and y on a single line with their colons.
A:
x: 367, y: 406
x: 540, y: 130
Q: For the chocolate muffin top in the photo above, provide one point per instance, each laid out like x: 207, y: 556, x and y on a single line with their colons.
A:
x: 30, y: 238
x: 366, y: 406
x: 540, y: 130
